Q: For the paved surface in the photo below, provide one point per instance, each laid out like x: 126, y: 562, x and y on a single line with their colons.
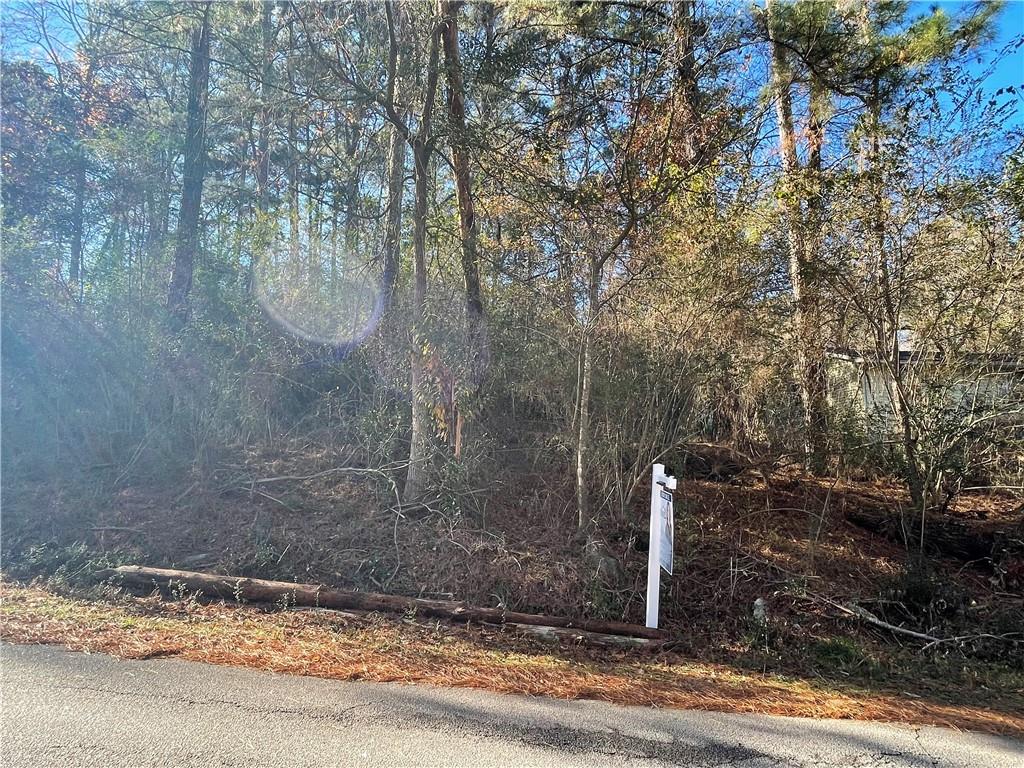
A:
x: 61, y: 708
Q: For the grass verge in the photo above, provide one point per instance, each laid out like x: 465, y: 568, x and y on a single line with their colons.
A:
x: 388, y: 649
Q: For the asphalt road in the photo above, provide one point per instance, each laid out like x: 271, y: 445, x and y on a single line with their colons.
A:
x: 70, y: 709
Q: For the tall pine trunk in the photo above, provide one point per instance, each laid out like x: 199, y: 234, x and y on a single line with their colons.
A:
x: 809, y: 355
x: 464, y: 191
x: 685, y: 36
x: 187, y: 244
x: 263, y: 140
x: 814, y: 370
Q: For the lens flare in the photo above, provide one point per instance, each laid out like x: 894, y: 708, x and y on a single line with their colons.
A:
x: 329, y: 301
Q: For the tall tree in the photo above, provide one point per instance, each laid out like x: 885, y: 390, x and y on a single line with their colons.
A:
x: 476, y: 339
x: 267, y: 35
x: 893, y: 57
x: 799, y: 200
x: 194, y: 172
x: 396, y: 156
x: 422, y: 142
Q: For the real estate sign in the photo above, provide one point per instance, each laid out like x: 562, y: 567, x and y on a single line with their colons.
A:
x: 659, y: 554
x: 665, y: 527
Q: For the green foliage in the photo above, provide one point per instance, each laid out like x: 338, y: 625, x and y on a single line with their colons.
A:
x: 839, y: 653
x: 931, y: 599
x: 628, y: 227
x: 61, y: 566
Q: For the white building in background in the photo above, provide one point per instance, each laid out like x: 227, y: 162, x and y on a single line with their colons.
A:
x: 865, y: 384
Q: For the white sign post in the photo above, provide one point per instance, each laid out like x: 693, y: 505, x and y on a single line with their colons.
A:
x: 659, y: 555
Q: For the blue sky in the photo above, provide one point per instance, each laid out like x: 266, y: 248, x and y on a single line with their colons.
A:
x: 1008, y: 71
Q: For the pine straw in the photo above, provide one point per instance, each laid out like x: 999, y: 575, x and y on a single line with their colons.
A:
x: 348, y: 647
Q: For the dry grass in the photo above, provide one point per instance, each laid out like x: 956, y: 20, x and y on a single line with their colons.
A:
x: 735, y: 542
x: 348, y: 647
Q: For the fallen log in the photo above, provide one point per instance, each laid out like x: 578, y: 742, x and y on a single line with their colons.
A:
x: 598, y: 639
x: 953, y: 538
x: 316, y: 595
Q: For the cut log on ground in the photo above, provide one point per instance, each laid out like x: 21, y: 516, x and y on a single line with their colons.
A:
x: 562, y: 634
x: 953, y: 538
x: 265, y: 591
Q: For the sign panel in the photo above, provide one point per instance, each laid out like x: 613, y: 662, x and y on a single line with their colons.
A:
x: 665, y: 531
x: 659, y: 553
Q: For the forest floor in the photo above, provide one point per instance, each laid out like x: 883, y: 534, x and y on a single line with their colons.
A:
x: 790, y: 543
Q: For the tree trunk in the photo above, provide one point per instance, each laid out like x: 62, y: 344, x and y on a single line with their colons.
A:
x: 419, y: 441
x: 685, y: 38
x: 314, y: 216
x: 194, y: 170
x: 265, y: 591
x: 948, y: 536
x: 583, y: 436
x: 294, y: 235
x: 814, y: 372
x: 464, y: 191
x: 78, y: 221
x: 396, y: 157
x: 887, y: 317
x: 880, y: 273
x: 294, y: 250
x: 263, y: 141
x: 808, y: 347
x: 393, y: 231
x: 586, y: 376
x: 419, y: 447
x: 77, y: 265
x: 244, y: 210
x: 351, y: 187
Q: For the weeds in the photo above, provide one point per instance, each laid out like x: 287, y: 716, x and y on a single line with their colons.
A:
x: 62, y: 566
x: 840, y: 653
